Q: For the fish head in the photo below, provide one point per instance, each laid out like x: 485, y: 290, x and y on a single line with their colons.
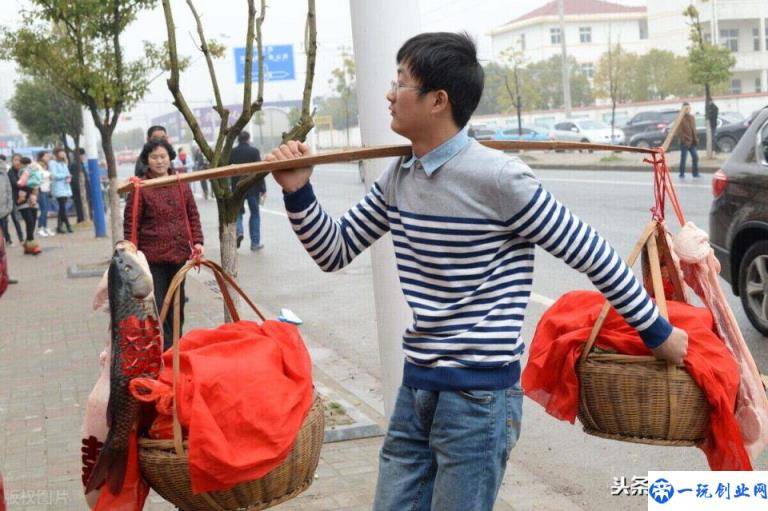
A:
x: 129, y: 273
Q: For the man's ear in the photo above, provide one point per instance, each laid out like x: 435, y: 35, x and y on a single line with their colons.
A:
x: 440, y: 102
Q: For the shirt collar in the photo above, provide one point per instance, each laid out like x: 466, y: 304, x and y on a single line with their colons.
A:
x: 438, y: 156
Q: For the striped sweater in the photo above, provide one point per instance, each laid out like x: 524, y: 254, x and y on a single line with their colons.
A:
x: 464, y: 238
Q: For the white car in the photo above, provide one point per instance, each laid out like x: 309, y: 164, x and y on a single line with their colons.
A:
x: 587, y: 130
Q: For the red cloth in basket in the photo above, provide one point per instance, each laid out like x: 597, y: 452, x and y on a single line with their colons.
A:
x: 551, y: 380
x: 244, y: 392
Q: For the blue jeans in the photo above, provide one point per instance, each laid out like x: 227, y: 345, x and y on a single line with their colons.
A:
x: 684, y: 150
x: 254, y: 223
x: 447, y: 450
x: 43, y: 198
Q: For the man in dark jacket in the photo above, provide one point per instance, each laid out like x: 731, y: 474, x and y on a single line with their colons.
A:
x: 77, y: 167
x: 246, y: 153
x: 689, y: 139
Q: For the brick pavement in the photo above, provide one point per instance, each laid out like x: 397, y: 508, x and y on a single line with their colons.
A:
x: 49, y: 346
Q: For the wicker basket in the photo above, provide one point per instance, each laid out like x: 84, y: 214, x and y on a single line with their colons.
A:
x: 164, y: 463
x: 639, y: 398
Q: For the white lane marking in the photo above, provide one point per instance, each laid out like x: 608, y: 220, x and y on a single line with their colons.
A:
x: 609, y: 182
x: 273, y: 212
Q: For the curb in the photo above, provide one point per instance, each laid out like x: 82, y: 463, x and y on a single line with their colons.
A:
x: 608, y: 168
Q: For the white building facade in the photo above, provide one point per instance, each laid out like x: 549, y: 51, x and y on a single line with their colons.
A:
x: 741, y: 25
x: 589, y: 26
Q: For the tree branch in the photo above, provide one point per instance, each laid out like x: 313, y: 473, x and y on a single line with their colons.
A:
x: 208, y: 60
x: 305, y: 123
x: 173, y: 85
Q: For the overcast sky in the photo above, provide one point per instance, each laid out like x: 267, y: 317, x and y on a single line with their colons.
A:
x: 225, y: 20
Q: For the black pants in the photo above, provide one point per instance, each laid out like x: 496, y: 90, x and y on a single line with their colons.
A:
x: 63, y: 220
x: 77, y: 198
x: 162, y: 274
x: 15, y: 218
x: 30, y: 219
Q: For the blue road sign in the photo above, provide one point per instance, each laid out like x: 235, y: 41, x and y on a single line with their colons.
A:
x: 278, y: 64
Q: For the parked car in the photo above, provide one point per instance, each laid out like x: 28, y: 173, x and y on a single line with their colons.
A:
x: 655, y: 137
x: 738, y: 221
x: 729, y: 135
x: 587, y: 130
x: 646, y: 121
x: 481, y: 132
x: 529, y: 133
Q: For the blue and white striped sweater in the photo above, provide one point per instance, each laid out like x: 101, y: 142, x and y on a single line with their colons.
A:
x: 468, y: 278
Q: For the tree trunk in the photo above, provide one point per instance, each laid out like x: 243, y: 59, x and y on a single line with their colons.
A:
x: 115, y: 215
x: 228, y: 243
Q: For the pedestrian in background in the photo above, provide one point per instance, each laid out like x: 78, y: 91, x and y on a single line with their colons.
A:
x: 75, y: 171
x: 13, y: 176
x: 28, y: 188
x: 246, y: 153
x: 201, y: 164
x: 44, y: 195
x: 689, y: 140
x: 61, y: 189
x: 6, y: 199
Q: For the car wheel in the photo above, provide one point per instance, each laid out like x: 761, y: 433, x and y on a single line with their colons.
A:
x: 726, y: 144
x: 753, y: 285
x: 643, y: 144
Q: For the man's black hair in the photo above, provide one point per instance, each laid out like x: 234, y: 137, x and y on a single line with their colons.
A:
x: 155, y: 128
x: 25, y: 160
x: 80, y: 150
x: 2, y: 157
x: 243, y: 137
x: 447, y: 61
x: 154, y: 144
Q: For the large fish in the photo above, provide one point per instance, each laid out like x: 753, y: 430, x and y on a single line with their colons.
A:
x: 136, y: 351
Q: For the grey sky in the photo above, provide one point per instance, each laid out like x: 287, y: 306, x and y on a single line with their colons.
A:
x: 224, y: 20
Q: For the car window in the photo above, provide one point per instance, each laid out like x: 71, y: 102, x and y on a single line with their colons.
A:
x: 668, y: 116
x: 483, y: 133
x: 563, y: 126
x: 762, y: 148
x: 592, y: 125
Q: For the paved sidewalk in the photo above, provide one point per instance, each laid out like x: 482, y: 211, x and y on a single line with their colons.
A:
x: 49, y: 347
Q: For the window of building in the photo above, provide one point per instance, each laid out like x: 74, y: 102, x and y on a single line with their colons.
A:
x: 735, y: 86
x: 766, y: 36
x: 522, y: 41
x: 588, y: 69
x: 758, y: 85
x: 729, y: 37
x: 585, y: 34
x: 756, y: 39
x: 643, y: 26
x: 554, y: 35
x: 707, y: 37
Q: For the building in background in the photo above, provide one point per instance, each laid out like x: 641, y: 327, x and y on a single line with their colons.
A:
x: 740, y: 25
x: 588, y: 26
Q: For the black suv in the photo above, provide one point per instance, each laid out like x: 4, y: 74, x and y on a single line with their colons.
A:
x: 738, y: 220
x: 651, y: 120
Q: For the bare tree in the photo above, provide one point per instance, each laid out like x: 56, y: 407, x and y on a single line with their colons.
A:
x: 229, y: 199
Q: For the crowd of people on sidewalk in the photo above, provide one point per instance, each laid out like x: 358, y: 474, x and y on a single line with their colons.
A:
x: 28, y: 189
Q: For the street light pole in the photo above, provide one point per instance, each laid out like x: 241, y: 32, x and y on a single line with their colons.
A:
x: 564, y: 50
x: 378, y: 31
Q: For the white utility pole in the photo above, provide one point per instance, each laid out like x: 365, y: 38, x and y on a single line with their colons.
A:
x: 566, y: 73
x: 378, y: 31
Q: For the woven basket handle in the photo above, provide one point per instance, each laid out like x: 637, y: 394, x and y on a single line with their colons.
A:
x: 647, y: 234
x: 174, y: 295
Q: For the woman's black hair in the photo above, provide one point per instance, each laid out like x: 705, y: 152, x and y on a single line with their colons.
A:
x: 40, y: 155
x: 25, y: 160
x: 446, y: 61
x: 154, y: 144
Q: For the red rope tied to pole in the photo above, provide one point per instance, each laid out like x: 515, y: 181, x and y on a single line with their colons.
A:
x: 195, y: 253
x: 663, y: 188
x: 135, y: 213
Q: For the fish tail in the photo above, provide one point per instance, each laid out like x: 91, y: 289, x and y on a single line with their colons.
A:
x: 110, y: 468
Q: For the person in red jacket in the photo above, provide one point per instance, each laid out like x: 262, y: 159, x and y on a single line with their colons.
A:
x: 161, y: 223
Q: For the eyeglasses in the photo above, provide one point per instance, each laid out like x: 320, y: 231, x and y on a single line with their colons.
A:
x: 396, y: 86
